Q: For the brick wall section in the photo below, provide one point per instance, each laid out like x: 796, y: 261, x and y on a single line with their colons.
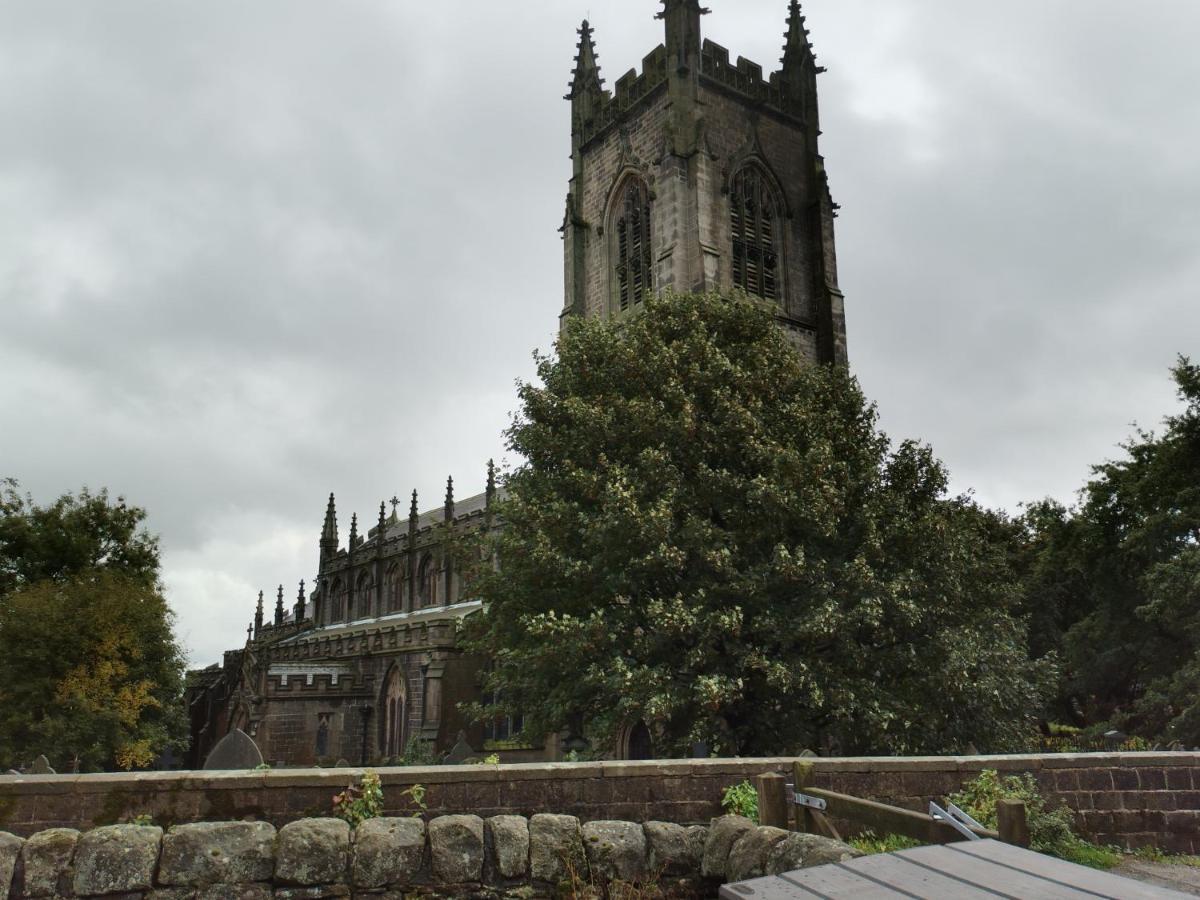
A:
x: 1134, y: 799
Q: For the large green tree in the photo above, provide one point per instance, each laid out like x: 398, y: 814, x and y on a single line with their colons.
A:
x: 90, y: 672
x: 1117, y: 581
x: 712, y: 536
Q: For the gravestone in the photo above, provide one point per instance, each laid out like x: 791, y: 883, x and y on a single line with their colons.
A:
x: 41, y: 766
x: 236, y: 750
x: 461, y: 751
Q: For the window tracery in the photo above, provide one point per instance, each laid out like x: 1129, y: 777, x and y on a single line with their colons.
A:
x: 754, y: 221
x: 633, y: 252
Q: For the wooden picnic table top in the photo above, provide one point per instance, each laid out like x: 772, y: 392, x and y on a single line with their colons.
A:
x: 971, y: 869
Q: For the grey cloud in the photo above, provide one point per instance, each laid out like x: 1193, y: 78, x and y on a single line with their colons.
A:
x: 252, y: 253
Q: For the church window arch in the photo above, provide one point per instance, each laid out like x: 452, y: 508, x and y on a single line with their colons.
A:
x: 363, y: 597
x: 393, y: 589
x: 631, y: 244
x: 754, y: 224
x: 395, y: 712
x: 337, y: 602
x: 427, y: 582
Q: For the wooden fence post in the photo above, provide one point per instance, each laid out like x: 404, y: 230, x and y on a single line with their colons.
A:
x: 772, y: 800
x: 802, y: 775
x: 1013, y: 822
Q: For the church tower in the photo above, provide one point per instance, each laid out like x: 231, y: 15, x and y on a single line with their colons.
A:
x: 699, y: 174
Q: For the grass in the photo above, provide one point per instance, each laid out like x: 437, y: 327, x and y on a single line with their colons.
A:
x: 870, y: 843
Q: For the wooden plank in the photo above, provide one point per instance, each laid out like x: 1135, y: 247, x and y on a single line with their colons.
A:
x: 983, y: 873
x: 765, y: 889
x: 885, y: 820
x: 836, y: 882
x: 917, y: 881
x: 1104, y: 884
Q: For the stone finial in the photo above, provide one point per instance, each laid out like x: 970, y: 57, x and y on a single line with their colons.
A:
x: 300, y: 604
x: 412, y: 509
x: 329, y: 531
x: 682, y: 18
x: 258, y: 615
x: 279, y: 607
x: 586, y: 77
x: 353, y: 532
x: 449, y: 498
x: 490, y: 491
x: 798, y: 49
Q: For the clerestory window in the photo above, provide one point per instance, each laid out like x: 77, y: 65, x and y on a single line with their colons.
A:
x: 633, y: 245
x: 754, y: 221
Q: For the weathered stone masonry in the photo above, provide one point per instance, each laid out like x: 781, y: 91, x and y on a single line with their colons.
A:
x: 457, y: 855
x: 1134, y: 799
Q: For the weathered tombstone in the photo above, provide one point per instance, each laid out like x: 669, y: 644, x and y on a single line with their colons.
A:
x: 41, y: 766
x: 461, y: 751
x: 236, y: 750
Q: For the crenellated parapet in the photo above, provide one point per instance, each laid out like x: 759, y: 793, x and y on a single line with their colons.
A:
x: 608, y: 109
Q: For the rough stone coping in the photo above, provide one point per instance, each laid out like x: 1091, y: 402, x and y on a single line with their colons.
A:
x: 429, y: 775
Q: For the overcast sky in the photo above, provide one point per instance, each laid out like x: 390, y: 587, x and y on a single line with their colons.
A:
x: 254, y: 252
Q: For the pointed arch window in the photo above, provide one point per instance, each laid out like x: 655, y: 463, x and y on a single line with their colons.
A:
x: 337, y: 602
x: 393, y: 585
x: 632, y: 230
x: 754, y: 221
x: 395, y: 709
x: 427, y: 582
x: 364, y: 596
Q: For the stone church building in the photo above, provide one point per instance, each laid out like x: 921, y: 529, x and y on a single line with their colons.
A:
x: 695, y: 173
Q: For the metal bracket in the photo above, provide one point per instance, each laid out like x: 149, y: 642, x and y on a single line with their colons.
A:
x: 956, y: 819
x: 797, y: 799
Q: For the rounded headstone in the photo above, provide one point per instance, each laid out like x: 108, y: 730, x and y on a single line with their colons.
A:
x: 235, y: 751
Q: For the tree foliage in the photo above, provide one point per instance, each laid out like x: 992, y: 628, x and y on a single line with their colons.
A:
x: 710, y: 535
x: 76, y: 533
x: 1118, y: 581
x: 90, y: 672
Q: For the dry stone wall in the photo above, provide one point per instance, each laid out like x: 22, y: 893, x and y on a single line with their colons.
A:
x: 451, y: 856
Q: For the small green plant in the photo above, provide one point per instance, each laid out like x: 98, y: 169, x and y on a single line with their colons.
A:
x: 419, y: 753
x: 492, y: 759
x: 868, y: 842
x: 357, y: 804
x: 1050, y: 830
x: 143, y: 819
x: 416, y: 794
x: 741, y: 800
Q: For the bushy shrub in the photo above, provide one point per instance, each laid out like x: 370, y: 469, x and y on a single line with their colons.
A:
x: 1050, y: 830
x: 741, y: 800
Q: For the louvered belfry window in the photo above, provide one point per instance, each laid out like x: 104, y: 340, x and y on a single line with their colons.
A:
x: 633, y: 245
x: 754, y: 221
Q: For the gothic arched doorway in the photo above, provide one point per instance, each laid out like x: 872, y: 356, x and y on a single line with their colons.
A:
x: 394, y: 713
x: 638, y: 743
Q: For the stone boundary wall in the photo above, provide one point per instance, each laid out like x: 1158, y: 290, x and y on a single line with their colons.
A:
x: 452, y: 856
x: 1133, y: 799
